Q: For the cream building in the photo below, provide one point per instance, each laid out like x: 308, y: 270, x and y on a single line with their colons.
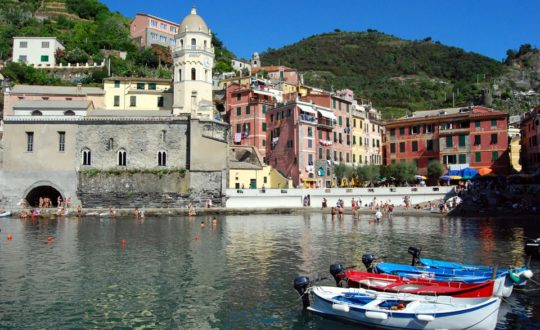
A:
x: 193, y: 57
x: 36, y: 51
x: 367, y: 131
x: 138, y: 93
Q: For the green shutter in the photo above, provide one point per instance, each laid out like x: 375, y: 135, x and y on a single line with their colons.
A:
x: 462, y: 158
x: 449, y: 142
x: 494, y: 155
x: 238, y: 128
x: 320, y: 134
x: 478, y: 156
x: 392, y: 148
x: 494, y: 123
x: 392, y: 132
x: 238, y: 111
x: 264, y: 109
x: 402, y: 147
x: 477, y: 124
x: 264, y: 127
x: 248, y: 110
x: 402, y: 131
x: 340, y: 120
x: 462, y: 140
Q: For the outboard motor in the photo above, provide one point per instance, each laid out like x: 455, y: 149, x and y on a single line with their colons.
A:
x: 336, y: 270
x: 367, y: 260
x: 415, y: 252
x: 301, y: 284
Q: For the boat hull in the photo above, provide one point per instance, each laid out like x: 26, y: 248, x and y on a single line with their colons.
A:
x: 467, y: 313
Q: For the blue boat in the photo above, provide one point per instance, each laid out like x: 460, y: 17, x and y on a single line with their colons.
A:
x: 505, y: 278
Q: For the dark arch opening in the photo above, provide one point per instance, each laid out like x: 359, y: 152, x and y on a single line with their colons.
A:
x: 43, y: 191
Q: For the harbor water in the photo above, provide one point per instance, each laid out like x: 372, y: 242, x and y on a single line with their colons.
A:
x: 185, y: 273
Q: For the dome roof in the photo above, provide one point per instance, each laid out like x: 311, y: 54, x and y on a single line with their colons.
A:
x: 193, y: 22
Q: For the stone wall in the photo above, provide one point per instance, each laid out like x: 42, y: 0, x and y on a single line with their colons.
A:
x: 127, y: 190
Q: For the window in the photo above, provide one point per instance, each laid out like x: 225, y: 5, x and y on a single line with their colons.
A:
x: 264, y: 127
x: 153, y: 23
x: 238, y: 111
x: 61, y: 141
x: 414, y: 146
x: 116, y: 100
x: 494, y: 123
x: 151, y: 86
x: 23, y: 44
x: 86, y: 157
x: 494, y: 155
x: 429, y: 145
x: 354, y: 139
x: 45, y: 44
x: 238, y: 128
x: 264, y: 143
x: 173, y: 28
x: 402, y: 131
x: 415, y: 129
x: 193, y: 74
x: 392, y: 148
x: 238, y: 97
x: 320, y: 135
x: 347, y: 158
x: 44, y: 58
x: 402, y: 147
x: 69, y: 113
x: 122, y: 157
x: 310, y: 159
x: 162, y: 158
x: 477, y: 124
x: 264, y: 109
x: 429, y: 129
x: 310, y: 144
x: 162, y: 25
x: 160, y: 101
x: 309, y: 132
x: 462, y: 158
x: 133, y: 101
x: 335, y: 155
x: 334, y: 103
x: 117, y: 84
x: 140, y: 85
x: 478, y: 156
x: 193, y: 43
x: 36, y: 113
x: 340, y: 120
x: 494, y: 138
x: 462, y: 140
x: 392, y: 132
x: 153, y: 36
x: 477, y: 140
x: 320, y: 153
x: 449, y: 142
x: 23, y: 58
x: 328, y: 154
x: 163, y: 39
x: 29, y: 141
x: 164, y: 136
x: 248, y: 110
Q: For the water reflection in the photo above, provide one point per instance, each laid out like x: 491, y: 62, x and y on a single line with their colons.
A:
x: 171, y: 272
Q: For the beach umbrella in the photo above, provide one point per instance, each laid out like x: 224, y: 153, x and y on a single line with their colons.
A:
x: 445, y: 178
x: 484, y: 171
x: 455, y: 177
x: 420, y: 177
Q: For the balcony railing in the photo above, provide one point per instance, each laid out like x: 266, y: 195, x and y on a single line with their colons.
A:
x: 307, y: 118
x: 325, y: 123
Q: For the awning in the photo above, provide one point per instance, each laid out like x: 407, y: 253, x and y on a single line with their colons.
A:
x: 327, y: 114
x: 307, y: 109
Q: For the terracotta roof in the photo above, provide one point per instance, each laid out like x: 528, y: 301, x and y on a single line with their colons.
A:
x: 272, y: 68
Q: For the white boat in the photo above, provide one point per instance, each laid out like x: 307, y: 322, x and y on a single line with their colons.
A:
x: 404, y: 311
x: 5, y: 214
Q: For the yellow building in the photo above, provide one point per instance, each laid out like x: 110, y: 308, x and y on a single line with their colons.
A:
x: 123, y: 93
x: 357, y: 149
x: 515, y: 150
x: 242, y: 81
x: 247, y: 171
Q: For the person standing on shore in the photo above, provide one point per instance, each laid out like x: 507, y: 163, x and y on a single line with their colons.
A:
x: 378, y: 215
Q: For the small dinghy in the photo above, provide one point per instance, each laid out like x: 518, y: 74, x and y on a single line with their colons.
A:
x: 399, y: 311
x: 532, y: 246
x: 5, y: 214
x: 397, y: 284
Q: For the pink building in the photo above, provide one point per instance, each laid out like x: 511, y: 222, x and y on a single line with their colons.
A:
x: 300, y: 142
x: 52, y: 93
x: 530, y: 141
x: 147, y: 30
x: 278, y: 73
x: 246, y: 111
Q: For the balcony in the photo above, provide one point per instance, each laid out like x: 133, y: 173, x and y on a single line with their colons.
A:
x: 325, y: 123
x: 308, y: 118
x: 259, y: 100
x: 453, y: 131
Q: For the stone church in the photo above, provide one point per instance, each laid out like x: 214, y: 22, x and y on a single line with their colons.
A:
x: 62, y: 142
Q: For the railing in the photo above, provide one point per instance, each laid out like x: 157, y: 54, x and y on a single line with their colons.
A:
x: 69, y: 66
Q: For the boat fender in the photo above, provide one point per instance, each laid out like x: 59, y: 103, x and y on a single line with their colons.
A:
x: 527, y: 274
x: 376, y: 315
x: 341, y: 307
x: 425, y: 318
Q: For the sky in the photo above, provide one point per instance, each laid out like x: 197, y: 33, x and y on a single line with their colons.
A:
x: 487, y: 27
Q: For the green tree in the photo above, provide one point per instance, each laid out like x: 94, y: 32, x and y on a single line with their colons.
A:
x: 368, y: 173
x: 76, y: 55
x: 434, y: 169
x: 22, y: 73
x: 405, y: 172
x: 339, y: 171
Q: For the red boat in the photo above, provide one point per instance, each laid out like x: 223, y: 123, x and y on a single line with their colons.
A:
x: 397, y: 284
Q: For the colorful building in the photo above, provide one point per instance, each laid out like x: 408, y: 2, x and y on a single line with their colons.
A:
x: 367, y: 133
x: 138, y: 93
x: 530, y: 140
x: 277, y: 73
x: 246, y: 110
x: 147, y: 30
x: 476, y: 136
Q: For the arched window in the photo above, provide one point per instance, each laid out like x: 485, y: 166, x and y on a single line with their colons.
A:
x: 205, y: 44
x: 181, y: 43
x: 179, y: 74
x: 110, y: 144
x: 36, y: 113
x: 193, y: 43
x: 86, y: 157
x: 122, y: 157
x: 69, y: 113
x: 162, y: 158
x: 193, y: 74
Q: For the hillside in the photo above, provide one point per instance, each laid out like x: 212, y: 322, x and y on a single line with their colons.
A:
x: 397, y: 75
x: 89, y: 31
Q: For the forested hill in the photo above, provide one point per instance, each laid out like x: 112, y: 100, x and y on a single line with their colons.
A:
x: 396, y: 75
x: 89, y: 31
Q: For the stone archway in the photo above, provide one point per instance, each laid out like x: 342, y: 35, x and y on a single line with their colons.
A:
x: 42, y: 189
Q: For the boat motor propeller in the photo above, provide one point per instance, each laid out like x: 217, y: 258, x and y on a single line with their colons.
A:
x: 301, y: 284
x: 367, y: 260
x: 415, y: 252
x: 336, y: 269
